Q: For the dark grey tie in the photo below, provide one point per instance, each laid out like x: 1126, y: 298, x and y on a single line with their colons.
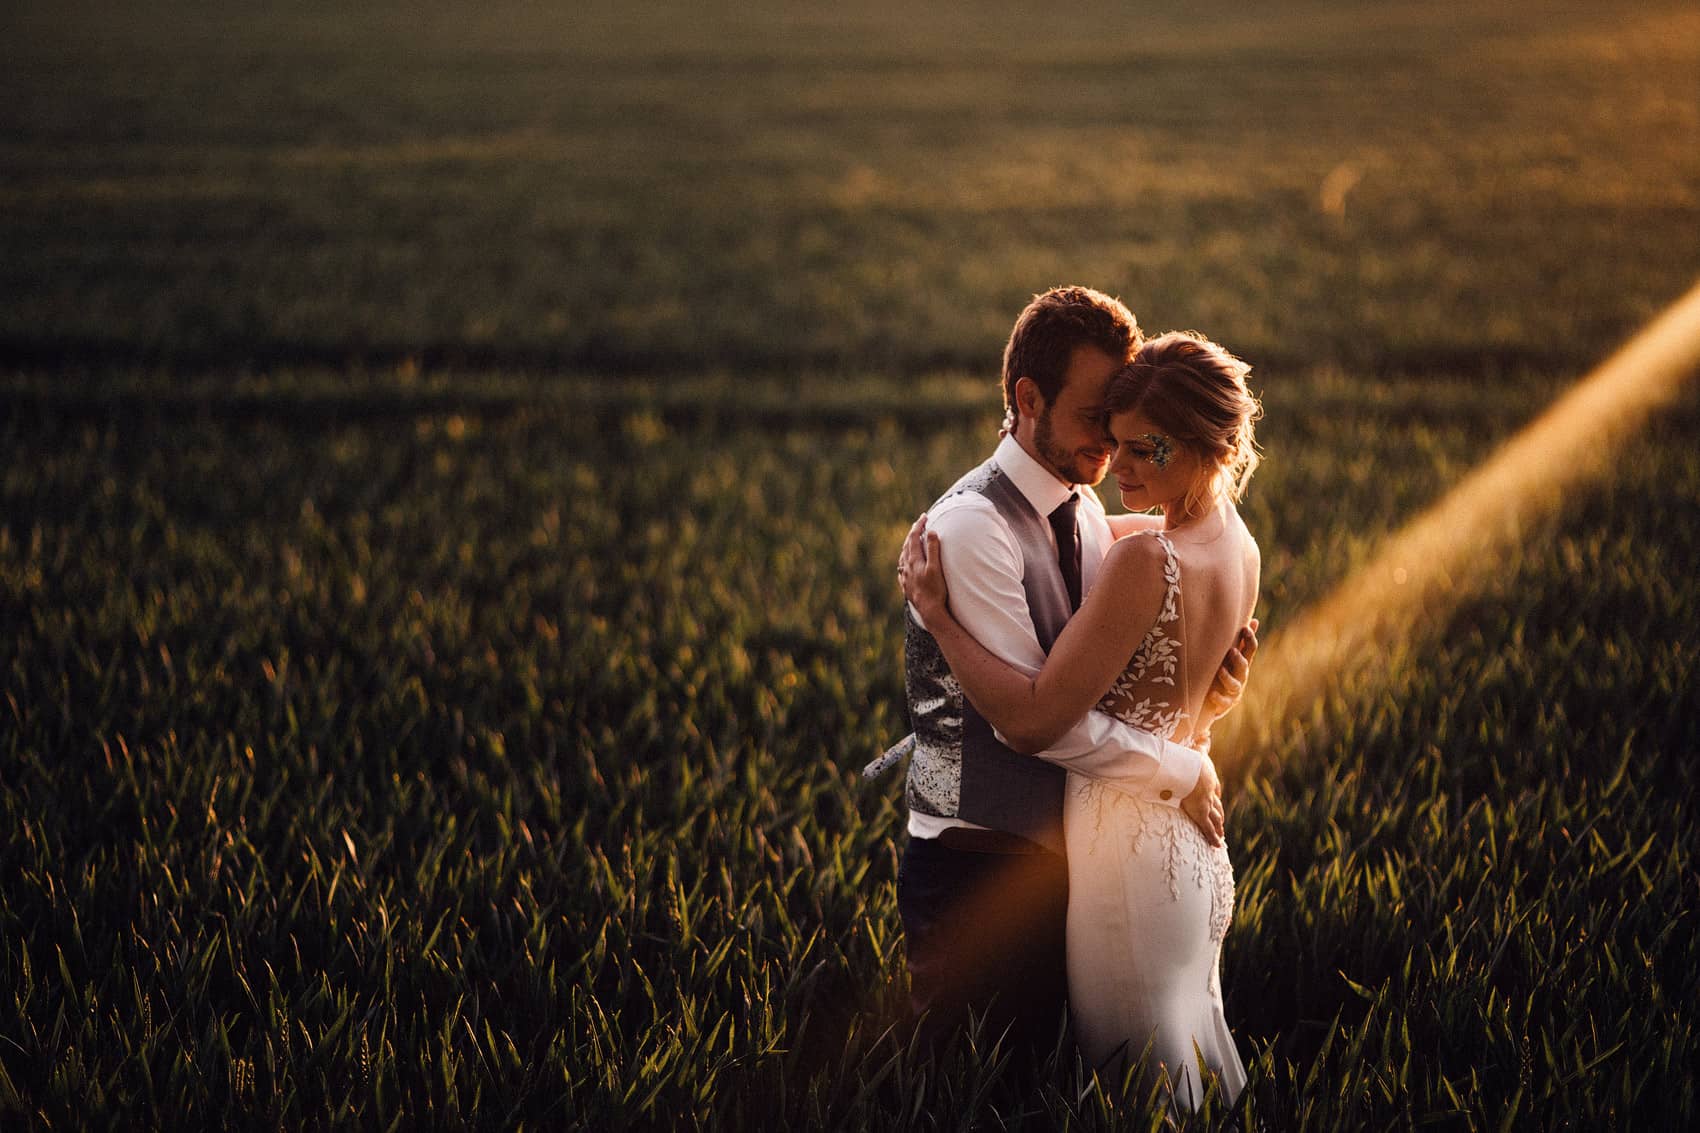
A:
x: 1068, y: 547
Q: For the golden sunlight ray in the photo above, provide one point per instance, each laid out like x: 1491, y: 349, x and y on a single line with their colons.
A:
x: 1434, y: 561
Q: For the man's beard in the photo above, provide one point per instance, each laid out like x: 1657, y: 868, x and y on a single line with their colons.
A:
x: 1066, y: 463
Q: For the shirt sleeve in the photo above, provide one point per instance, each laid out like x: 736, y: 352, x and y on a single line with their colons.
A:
x: 982, y: 568
x: 1128, y: 759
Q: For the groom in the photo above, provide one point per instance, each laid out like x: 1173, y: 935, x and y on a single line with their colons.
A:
x: 983, y: 886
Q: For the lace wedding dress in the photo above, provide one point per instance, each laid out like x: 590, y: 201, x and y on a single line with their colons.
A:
x: 1149, y: 898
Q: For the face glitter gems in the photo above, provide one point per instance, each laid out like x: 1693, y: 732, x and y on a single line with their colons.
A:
x: 1162, y: 449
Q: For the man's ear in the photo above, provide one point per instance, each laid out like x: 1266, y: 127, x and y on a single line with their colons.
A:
x: 1028, y: 399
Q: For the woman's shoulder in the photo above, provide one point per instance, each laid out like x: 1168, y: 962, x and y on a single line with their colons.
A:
x: 1132, y: 583
x: 1249, y: 549
x: 1138, y: 558
x: 1248, y: 565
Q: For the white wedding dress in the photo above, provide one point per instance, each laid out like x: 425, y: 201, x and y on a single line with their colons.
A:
x: 1149, y: 899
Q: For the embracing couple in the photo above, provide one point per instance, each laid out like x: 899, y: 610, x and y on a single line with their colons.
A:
x: 1063, y: 668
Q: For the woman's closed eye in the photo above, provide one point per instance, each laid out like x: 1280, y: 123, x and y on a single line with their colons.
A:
x: 1153, y: 447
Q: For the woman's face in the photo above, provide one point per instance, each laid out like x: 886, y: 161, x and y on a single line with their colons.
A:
x: 1152, y: 469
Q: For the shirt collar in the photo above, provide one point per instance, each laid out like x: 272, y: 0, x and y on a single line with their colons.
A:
x: 1036, y: 482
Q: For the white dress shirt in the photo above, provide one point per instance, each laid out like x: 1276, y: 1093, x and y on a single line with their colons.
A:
x: 983, y: 570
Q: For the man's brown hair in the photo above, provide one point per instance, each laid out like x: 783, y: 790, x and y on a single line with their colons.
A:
x: 1048, y: 331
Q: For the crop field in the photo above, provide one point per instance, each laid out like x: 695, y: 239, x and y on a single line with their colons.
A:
x: 454, y: 463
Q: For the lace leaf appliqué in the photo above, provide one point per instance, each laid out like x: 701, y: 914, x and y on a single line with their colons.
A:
x: 1155, y: 662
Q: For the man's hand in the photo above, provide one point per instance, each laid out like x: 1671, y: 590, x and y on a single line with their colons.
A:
x: 1204, y: 805
x: 1229, y: 685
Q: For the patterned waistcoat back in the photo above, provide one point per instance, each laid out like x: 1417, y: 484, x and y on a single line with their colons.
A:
x: 959, y: 769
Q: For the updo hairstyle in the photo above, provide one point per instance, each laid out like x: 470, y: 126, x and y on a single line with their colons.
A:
x: 1195, y: 391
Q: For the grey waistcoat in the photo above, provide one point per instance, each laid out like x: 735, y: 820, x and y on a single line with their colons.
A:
x: 959, y: 769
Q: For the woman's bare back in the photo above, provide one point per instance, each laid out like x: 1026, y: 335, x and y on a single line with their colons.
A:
x: 1211, y: 570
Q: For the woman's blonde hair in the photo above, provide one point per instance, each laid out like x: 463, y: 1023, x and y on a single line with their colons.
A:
x: 1195, y: 391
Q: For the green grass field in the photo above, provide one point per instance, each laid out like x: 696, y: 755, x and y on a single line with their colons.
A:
x: 454, y: 464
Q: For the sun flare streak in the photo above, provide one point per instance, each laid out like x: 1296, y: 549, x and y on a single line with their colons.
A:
x: 1440, y: 557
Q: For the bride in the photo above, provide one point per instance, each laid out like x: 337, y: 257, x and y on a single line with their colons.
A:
x: 1150, y: 896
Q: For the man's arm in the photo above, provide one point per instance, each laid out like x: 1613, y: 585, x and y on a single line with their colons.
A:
x: 1171, y: 775
x: 1203, y: 803
x: 1127, y: 758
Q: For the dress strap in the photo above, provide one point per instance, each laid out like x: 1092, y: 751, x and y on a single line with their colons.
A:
x: 1148, y: 694
x: 1172, y: 608
x: 1171, y: 580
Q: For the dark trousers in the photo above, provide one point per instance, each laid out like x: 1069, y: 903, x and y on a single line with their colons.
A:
x: 984, y: 934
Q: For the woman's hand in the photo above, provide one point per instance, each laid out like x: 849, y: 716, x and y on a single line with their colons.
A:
x: 920, y: 570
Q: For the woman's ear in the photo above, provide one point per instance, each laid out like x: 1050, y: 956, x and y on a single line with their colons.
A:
x: 1205, y: 486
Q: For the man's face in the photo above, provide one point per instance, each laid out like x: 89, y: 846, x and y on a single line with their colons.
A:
x: 1069, y: 435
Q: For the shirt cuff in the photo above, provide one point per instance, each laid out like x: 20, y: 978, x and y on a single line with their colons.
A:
x: 1178, y: 770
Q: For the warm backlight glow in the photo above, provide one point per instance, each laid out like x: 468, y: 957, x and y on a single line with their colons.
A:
x: 1437, y: 558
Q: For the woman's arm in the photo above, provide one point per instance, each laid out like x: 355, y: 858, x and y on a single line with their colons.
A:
x: 1031, y: 712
